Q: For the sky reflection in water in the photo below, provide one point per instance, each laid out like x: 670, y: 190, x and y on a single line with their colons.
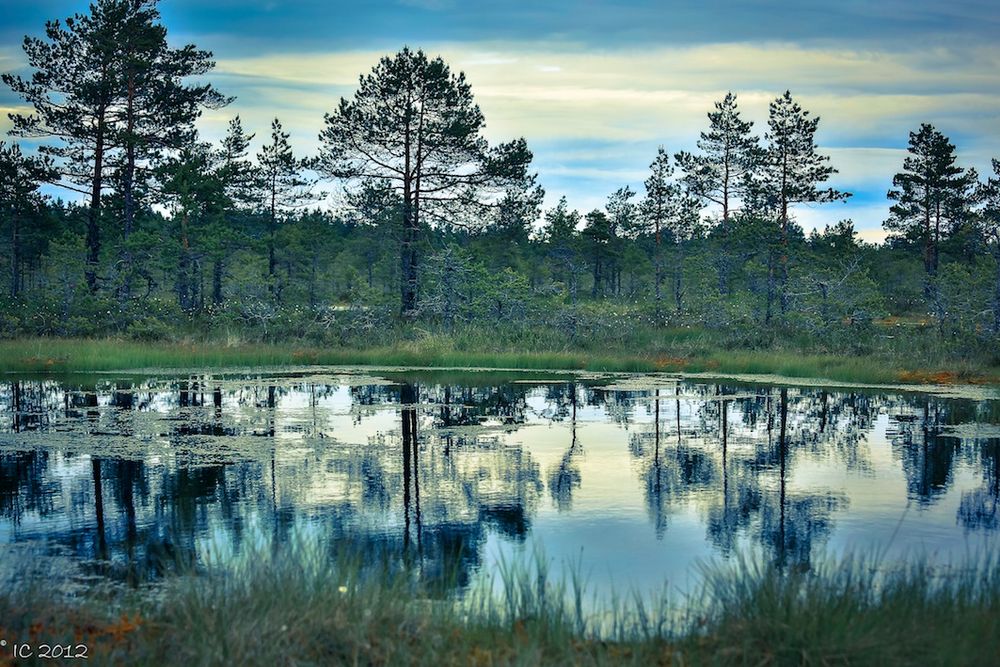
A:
x: 635, y: 479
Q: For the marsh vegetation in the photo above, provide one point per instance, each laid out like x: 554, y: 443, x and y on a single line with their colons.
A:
x: 163, y: 516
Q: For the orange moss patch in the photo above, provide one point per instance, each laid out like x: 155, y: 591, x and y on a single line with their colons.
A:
x: 664, y: 363
x: 98, y: 636
x: 896, y: 320
x: 43, y: 362
x: 927, y: 377
x: 942, y: 377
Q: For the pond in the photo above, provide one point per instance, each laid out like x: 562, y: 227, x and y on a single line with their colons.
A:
x: 632, y: 479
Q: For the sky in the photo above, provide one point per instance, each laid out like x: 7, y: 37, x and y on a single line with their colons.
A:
x: 595, y: 86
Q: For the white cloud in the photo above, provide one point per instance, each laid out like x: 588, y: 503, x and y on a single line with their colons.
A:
x: 594, y: 118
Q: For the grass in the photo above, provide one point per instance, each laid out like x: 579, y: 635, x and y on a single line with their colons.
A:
x: 307, y: 609
x: 54, y: 355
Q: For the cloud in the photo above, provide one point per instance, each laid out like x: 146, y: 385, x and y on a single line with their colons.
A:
x: 628, y: 95
x: 622, y: 103
x: 5, y: 123
x: 594, y: 116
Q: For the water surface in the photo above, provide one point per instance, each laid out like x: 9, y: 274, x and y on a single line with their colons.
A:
x: 633, y: 479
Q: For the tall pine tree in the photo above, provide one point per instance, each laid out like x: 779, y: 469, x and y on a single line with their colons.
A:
x: 20, y: 178
x: 657, y: 208
x: 282, y: 188
x: 238, y: 177
x: 73, y: 93
x: 791, y: 172
x: 929, y: 194
x: 415, y: 125
x: 989, y: 195
x: 158, y: 109
x: 730, y: 153
x: 107, y: 87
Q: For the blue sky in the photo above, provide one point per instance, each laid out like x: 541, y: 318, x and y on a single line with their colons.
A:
x: 596, y: 86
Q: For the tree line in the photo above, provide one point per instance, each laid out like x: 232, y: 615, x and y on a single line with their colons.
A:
x: 434, y: 224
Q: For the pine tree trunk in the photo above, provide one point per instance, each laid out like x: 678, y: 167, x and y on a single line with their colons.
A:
x: 94, y: 213
x: 408, y: 249
x: 201, y: 285
x: 658, y: 276
x: 312, y: 281
x: 15, y: 253
x: 128, y: 191
x: 217, y: 282
x: 408, y: 264
x: 678, y: 279
x: 271, y: 260
x: 184, y: 270
x: 597, y: 275
x: 770, y: 290
x: 996, y: 296
x: 272, y: 222
x: 783, y: 276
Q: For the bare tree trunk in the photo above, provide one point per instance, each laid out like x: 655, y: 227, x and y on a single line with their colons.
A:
x: 770, y: 289
x: 678, y: 278
x: 128, y: 191
x: 658, y: 274
x: 15, y: 253
x: 217, y: 270
x: 783, y: 276
x: 597, y: 275
x: 996, y: 294
x: 94, y: 213
x: 408, y: 264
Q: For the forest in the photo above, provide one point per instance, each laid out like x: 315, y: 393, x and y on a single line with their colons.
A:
x: 120, y: 220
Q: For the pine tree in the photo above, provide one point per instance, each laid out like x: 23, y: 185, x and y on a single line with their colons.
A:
x: 560, y: 235
x: 560, y: 224
x: 989, y: 195
x: 414, y: 124
x: 73, y: 92
x: 516, y: 212
x: 657, y: 208
x: 238, y: 178
x: 684, y: 225
x: 283, y: 188
x: 158, y: 109
x: 930, y: 193
x: 624, y: 223
x: 190, y: 188
x: 791, y: 171
x: 108, y: 88
x: 20, y: 178
x: 730, y: 153
x: 598, y: 234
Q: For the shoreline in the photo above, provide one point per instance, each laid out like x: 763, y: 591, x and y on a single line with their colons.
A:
x: 54, y: 356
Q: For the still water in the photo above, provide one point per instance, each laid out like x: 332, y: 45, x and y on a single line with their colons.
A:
x: 633, y: 480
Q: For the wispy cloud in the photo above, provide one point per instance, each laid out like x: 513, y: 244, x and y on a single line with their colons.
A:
x: 594, y: 119
x: 596, y: 89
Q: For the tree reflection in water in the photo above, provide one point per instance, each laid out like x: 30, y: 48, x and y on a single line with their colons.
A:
x: 420, y: 473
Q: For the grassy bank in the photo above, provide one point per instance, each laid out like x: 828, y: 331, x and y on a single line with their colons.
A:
x: 72, y: 355
x: 307, y: 611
